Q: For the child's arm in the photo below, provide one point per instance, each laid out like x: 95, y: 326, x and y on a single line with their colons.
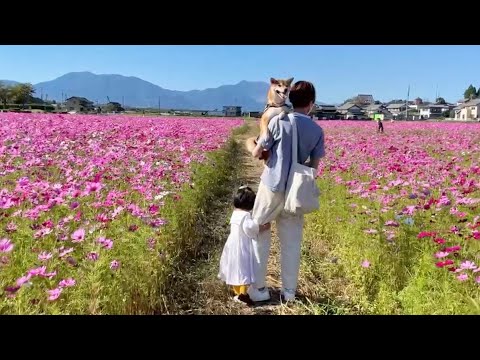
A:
x: 251, y: 228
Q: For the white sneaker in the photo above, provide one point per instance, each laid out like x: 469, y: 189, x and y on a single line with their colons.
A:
x: 288, y: 295
x: 258, y: 295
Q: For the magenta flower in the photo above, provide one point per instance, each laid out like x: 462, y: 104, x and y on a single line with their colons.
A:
x: 64, y: 252
x: 44, y: 256
x: 93, y: 256
x: 106, y: 243
x: 462, y: 277
x: 66, y: 283
x: 78, y: 236
x: 54, y: 294
x: 6, y: 246
x: 37, y: 271
x: 453, y: 248
x: 114, y: 265
x: 366, y: 263
x: 23, y: 280
x: 49, y: 275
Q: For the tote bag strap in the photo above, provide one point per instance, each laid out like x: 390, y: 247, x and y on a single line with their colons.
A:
x: 291, y: 117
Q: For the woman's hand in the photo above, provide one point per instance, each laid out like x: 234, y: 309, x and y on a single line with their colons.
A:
x: 264, y: 227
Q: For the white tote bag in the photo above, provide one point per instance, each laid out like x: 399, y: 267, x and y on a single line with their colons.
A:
x: 302, y: 193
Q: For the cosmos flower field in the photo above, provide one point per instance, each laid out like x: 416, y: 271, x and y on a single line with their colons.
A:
x: 406, y: 210
x: 81, y: 200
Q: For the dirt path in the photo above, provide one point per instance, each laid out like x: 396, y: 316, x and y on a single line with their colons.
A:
x: 198, y: 291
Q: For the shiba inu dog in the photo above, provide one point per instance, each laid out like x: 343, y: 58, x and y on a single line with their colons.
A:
x: 276, y: 105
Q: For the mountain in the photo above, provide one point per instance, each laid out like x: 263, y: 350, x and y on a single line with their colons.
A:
x: 8, y: 82
x: 136, y: 92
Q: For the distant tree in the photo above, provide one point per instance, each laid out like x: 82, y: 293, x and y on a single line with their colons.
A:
x: 470, y: 93
x: 446, y: 113
x: 5, y: 94
x: 113, y: 107
x: 478, y: 92
x: 22, y: 93
x: 441, y: 101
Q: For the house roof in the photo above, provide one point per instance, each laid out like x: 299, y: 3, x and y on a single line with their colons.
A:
x: 473, y: 102
x: 326, y: 107
x: 395, y: 106
x: 365, y: 97
x: 80, y: 99
x: 347, y: 106
x: 373, y: 107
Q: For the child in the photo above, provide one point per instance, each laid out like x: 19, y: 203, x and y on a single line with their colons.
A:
x: 236, y: 263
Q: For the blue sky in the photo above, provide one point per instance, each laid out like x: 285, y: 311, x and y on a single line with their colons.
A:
x: 338, y: 72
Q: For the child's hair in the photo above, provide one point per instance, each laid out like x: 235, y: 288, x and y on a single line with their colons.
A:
x: 244, y: 198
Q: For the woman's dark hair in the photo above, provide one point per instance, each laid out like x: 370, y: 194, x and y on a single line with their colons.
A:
x: 244, y: 198
x: 301, y: 94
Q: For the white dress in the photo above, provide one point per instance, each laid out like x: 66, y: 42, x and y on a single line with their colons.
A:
x: 236, y: 263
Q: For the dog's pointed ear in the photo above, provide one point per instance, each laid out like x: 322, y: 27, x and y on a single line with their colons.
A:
x: 273, y: 81
x: 289, y: 81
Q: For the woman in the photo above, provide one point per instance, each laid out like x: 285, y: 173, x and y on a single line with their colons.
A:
x: 270, y: 198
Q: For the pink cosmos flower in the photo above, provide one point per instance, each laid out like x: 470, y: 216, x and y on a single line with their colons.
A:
x: 441, y: 254
x: 37, y: 271
x: 64, y: 251
x: 44, y: 256
x: 66, y: 283
x: 114, y: 265
x: 468, y: 265
x: 366, y: 263
x: 392, y: 223
x: 54, y: 294
x: 106, y: 243
x: 93, y: 256
x: 23, y: 280
x: 462, y: 277
x: 11, y: 227
x: 424, y: 234
x: 478, y: 280
x: 78, y: 236
x: 6, y: 246
x: 453, y: 248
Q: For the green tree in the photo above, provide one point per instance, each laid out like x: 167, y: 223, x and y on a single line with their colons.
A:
x: 470, y: 93
x: 441, y: 101
x: 22, y: 93
x: 5, y: 94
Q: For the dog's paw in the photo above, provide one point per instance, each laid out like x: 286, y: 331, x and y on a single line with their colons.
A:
x: 282, y: 115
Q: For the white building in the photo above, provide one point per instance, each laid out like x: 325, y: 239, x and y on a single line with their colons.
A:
x: 469, y: 110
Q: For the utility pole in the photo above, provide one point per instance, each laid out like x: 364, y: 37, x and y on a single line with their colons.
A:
x: 159, y: 111
x: 406, y: 111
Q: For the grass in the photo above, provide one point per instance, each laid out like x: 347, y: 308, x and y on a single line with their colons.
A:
x: 402, y: 277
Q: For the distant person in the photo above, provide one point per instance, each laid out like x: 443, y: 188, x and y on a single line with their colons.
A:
x: 237, y: 261
x: 380, y: 125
